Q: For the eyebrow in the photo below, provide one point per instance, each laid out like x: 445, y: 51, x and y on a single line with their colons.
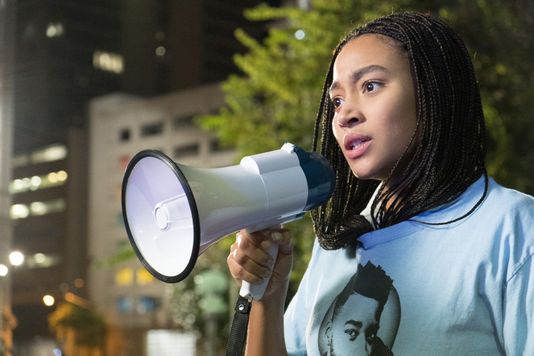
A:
x: 356, y: 324
x: 357, y: 75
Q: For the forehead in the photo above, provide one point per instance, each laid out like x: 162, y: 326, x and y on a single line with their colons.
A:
x: 370, y: 49
x: 358, y: 307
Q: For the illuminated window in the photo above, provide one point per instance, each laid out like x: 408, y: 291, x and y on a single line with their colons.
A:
x: 124, y: 305
x: 109, y: 62
x: 37, y: 208
x: 124, y: 277
x: 42, y: 260
x: 25, y: 184
x: 160, y: 51
x: 47, y: 207
x: 50, y: 153
x: 19, y: 211
x: 55, y: 29
x: 146, y: 305
x: 144, y: 277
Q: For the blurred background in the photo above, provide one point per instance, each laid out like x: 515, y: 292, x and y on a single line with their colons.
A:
x: 84, y: 85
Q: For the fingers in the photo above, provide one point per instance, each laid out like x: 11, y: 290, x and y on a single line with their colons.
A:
x: 249, y: 257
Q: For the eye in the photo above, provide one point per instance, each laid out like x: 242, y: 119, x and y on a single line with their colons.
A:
x: 371, y: 86
x: 337, y: 102
x: 352, y: 333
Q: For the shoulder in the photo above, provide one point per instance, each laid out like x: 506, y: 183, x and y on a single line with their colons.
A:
x: 511, y: 202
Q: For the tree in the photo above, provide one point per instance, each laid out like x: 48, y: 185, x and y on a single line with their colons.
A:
x: 276, y: 96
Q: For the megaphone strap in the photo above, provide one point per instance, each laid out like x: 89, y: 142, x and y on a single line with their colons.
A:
x: 238, y: 331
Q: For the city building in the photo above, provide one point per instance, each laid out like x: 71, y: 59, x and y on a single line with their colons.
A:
x: 120, y: 126
x: 66, y: 53
x: 48, y: 216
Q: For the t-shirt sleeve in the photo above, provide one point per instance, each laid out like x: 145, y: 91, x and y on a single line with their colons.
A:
x: 298, y: 312
x: 518, y: 328
x: 518, y: 309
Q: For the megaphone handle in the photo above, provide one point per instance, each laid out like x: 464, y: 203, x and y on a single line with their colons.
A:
x: 256, y: 291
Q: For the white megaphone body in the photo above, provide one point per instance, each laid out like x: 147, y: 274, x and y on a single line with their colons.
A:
x: 173, y: 212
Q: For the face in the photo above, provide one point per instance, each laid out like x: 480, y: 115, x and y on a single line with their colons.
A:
x: 375, y: 111
x: 354, y: 327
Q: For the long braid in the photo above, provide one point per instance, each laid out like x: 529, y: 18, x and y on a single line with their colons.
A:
x: 446, y: 153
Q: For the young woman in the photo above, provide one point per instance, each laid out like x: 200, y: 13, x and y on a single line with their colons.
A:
x: 418, y: 251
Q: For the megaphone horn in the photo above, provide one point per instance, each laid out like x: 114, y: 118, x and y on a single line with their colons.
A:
x: 173, y: 212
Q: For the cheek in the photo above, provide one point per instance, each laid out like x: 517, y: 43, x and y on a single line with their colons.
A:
x: 335, y: 131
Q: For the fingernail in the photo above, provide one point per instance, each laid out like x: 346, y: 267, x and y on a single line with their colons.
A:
x: 277, y: 236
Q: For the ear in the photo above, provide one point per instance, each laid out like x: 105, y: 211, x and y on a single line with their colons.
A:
x: 328, y: 331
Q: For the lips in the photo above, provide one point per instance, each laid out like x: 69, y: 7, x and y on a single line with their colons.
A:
x: 356, y: 145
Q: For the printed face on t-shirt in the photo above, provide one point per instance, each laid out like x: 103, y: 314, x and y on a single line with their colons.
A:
x: 353, y: 327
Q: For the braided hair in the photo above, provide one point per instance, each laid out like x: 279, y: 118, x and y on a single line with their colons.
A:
x: 447, y: 150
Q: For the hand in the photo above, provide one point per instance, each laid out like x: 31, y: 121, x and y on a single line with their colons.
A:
x: 250, y: 261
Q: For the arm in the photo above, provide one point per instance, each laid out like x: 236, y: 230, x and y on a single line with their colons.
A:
x: 249, y: 261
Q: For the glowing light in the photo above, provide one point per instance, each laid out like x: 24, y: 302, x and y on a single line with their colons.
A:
x: 51, y: 153
x: 16, y: 258
x: 39, y: 258
x: 38, y: 208
x: 160, y: 51
x: 35, y: 182
x: 52, y: 177
x: 19, y: 211
x: 110, y: 62
x: 54, y: 29
x: 48, y: 300
x: 300, y: 34
x: 3, y: 270
x: 62, y: 176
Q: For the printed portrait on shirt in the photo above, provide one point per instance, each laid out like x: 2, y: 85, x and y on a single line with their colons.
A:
x: 364, y: 317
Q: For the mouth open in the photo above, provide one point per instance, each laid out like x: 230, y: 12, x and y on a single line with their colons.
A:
x: 356, y: 143
x: 356, y: 146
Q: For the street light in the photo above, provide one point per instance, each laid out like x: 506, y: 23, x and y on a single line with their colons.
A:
x: 49, y: 300
x: 16, y: 258
x: 3, y: 270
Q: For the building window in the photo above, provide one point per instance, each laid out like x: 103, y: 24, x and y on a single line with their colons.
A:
x: 50, y: 153
x: 55, y: 29
x: 37, y: 208
x: 147, y: 305
x: 42, y: 260
x: 144, y: 277
x: 186, y: 150
x: 124, y: 135
x: 24, y: 184
x: 181, y: 122
x: 124, y: 305
x: 108, y: 62
x: 152, y: 129
x: 124, y: 277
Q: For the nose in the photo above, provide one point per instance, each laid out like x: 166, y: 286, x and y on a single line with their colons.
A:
x: 350, y: 113
x: 347, y: 119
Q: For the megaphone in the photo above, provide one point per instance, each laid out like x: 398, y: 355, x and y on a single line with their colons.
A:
x: 174, y: 212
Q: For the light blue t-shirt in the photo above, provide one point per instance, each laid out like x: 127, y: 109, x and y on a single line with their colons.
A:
x: 465, y: 288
